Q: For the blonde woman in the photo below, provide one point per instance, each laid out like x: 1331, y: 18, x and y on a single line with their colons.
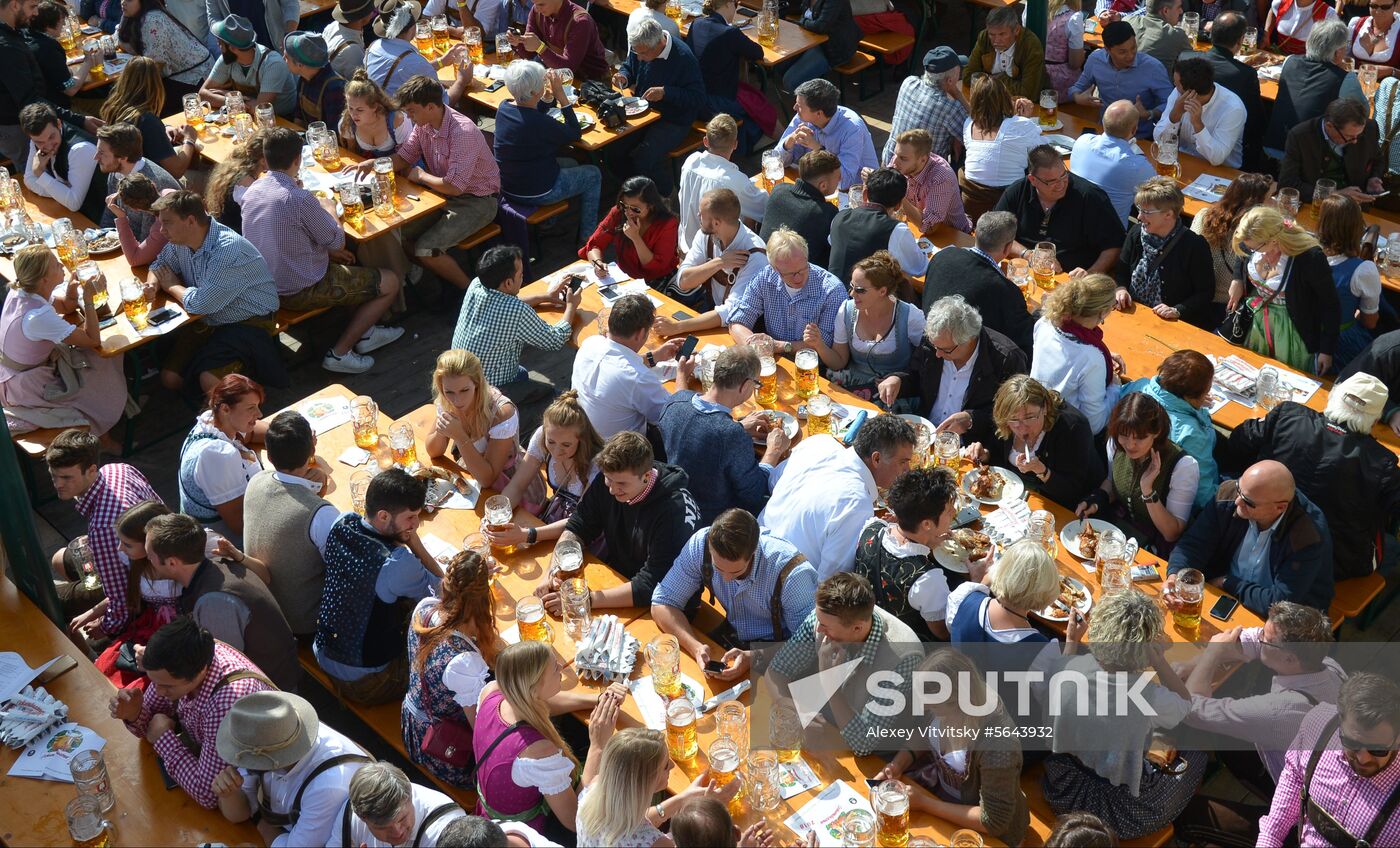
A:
x: 972, y: 770
x: 1064, y: 46
x: 615, y: 809
x: 1288, y: 286
x: 564, y: 448
x: 525, y: 771
x: 995, y: 607
x: 223, y: 196
x: 40, y: 347
x: 1069, y: 354
x: 475, y: 421
x: 372, y: 124
x: 138, y: 98
x: 998, y: 135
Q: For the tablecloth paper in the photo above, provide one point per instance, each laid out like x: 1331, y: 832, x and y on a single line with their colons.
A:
x: 652, y: 707
x: 827, y: 812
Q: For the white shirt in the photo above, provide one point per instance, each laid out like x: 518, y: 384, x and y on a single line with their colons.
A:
x: 1297, y: 22
x: 906, y: 251
x: 929, y: 592
x: 321, y: 802
x: 531, y: 836
x: 1000, y: 161
x: 1001, y: 63
x: 1365, y: 284
x: 952, y: 388
x: 1221, y: 141
x: 1181, y: 489
x: 82, y: 164
x: 745, y: 239
x: 223, y: 467
x: 703, y: 171
x: 353, y: 56
x: 914, y: 328
x: 325, y: 517
x: 42, y: 323
x: 560, y: 479
x: 1075, y: 370
x: 823, y: 495
x: 616, y: 388
x: 1362, y: 26
x: 424, y: 800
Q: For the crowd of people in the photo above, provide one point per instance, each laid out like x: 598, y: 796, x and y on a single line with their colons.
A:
x: 827, y: 548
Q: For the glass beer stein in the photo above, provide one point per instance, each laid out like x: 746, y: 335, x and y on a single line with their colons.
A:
x: 364, y: 421
x: 664, y: 657
x: 682, y: 743
x: 890, y: 800
x: 807, y: 362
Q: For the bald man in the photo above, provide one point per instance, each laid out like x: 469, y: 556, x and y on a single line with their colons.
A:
x: 1112, y: 159
x: 1261, y: 541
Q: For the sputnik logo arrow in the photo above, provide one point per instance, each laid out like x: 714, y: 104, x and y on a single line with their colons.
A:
x: 811, y: 694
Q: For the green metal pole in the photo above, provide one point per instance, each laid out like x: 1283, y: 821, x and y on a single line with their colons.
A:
x: 28, y: 566
x: 1037, y: 18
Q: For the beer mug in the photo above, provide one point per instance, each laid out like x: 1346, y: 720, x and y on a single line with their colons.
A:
x: 785, y: 733
x: 1166, y: 156
x: 855, y: 196
x: 1191, y: 24
x: 529, y: 615
x: 1112, y: 547
x: 440, y: 34
x: 767, y: 396
x: 243, y: 128
x: 364, y: 421
x: 233, y: 104
x: 89, y: 772
x: 401, y: 439
x: 1020, y: 274
x: 732, y: 723
x: 329, y: 151
x: 267, y: 118
x: 359, y: 485
x: 90, y: 278
x: 947, y: 448
x: 682, y: 743
x: 194, y: 115
x: 807, y: 362
x: 1042, y: 530
x: 1250, y: 41
x: 576, y: 601
x: 923, y: 445
x: 1289, y: 203
x: 475, y: 51
x: 890, y: 800
x: 673, y: 11
x: 568, y: 560
x: 664, y: 657
x: 819, y: 415
x: 1322, y: 190
x: 767, y: 28
x: 134, y: 305
x: 384, y: 175
x: 967, y: 838
x: 1368, y: 74
x: 423, y: 37
x: 498, y: 513
x: 762, y: 781
x: 503, y: 51
x: 706, y: 368
x: 724, y: 761
x: 773, y: 170
x: 858, y: 830
x: 1267, y: 388
x: 85, y: 823
x: 1049, y: 108
x: 1185, y: 601
x: 1043, y: 267
x: 351, y: 204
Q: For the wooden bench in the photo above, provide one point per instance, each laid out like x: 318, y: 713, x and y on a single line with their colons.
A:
x: 1043, y: 818
x: 856, y: 66
x: 286, y: 318
x: 480, y: 237
x: 1353, y: 596
x: 886, y: 44
x: 32, y: 446
x: 384, y: 721
x: 542, y: 214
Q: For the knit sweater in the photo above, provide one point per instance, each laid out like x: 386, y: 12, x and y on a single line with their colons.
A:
x: 716, y: 453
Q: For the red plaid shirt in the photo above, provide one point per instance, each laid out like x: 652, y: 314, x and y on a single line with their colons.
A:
x: 457, y: 152
x: 118, y: 488
x: 935, y: 191
x: 199, y: 713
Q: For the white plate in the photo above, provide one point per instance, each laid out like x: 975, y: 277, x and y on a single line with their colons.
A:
x: 1054, y: 613
x: 952, y: 556
x: 1011, y: 491
x: 789, y: 424
x: 1058, y: 125
x: 634, y: 106
x: 1062, y: 143
x: 1070, y: 533
x: 109, y: 232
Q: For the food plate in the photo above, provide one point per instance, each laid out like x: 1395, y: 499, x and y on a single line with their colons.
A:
x: 11, y: 244
x: 788, y: 419
x: 917, y: 421
x: 103, y: 241
x: 1069, y: 534
x: 585, y: 120
x: 1011, y: 488
x: 1058, y: 125
x: 953, y: 556
x: 634, y: 106
x: 927, y: 247
x: 1062, y: 143
x: 1083, y: 600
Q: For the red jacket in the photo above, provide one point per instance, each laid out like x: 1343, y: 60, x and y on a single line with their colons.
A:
x: 660, y: 236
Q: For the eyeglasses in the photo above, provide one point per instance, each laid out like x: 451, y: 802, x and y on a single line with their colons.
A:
x: 1064, y: 175
x: 635, y: 210
x: 946, y: 351
x: 1143, y: 212
x: 1028, y: 419
x: 1376, y: 7
x: 1355, y: 745
x: 1251, y: 502
x: 1346, y: 139
x: 792, y: 275
x: 859, y: 289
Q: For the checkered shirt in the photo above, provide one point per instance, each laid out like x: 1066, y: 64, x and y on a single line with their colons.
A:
x: 495, y: 326
x: 922, y: 105
x: 118, y: 488
x: 291, y: 229
x: 227, y: 279
x: 457, y: 152
x: 199, y: 713
x: 784, y: 316
x: 935, y: 190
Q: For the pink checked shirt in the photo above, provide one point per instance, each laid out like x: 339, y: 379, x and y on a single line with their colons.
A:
x: 200, y: 713
x: 935, y: 190
x: 457, y: 152
x: 1353, y: 801
x: 118, y: 488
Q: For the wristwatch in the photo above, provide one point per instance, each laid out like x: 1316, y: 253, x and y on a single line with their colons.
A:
x: 787, y: 347
x: 650, y: 359
x: 531, y: 536
x: 1150, y: 497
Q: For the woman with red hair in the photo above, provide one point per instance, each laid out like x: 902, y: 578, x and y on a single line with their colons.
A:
x: 215, y: 460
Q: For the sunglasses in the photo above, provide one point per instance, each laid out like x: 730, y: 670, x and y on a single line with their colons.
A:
x: 635, y: 210
x: 859, y: 289
x: 1376, y: 7
x: 1353, y: 745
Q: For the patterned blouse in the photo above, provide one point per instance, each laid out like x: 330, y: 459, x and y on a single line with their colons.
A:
x: 184, y: 58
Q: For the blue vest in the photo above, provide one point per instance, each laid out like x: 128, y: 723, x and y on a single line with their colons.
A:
x: 193, y: 501
x: 355, y: 627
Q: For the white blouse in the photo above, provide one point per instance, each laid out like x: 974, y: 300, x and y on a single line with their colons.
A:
x: 1275, y: 278
x: 1181, y: 490
x: 1000, y: 161
x: 223, y: 467
x: 1076, y: 370
x: 886, y: 344
x: 555, y: 470
x: 466, y: 675
x: 507, y: 429
x: 1365, y: 284
x: 42, y: 323
x: 1297, y: 22
x: 1362, y: 26
x: 550, y: 775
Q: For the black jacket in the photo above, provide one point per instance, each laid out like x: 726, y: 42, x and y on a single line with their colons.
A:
x: 721, y: 50
x: 998, y: 358
x: 1244, y: 82
x: 960, y: 270
x: 1070, y: 451
x: 1300, y: 553
x: 53, y: 65
x: 834, y: 19
x: 1382, y: 361
x: 1312, y: 300
x: 23, y: 81
x: 1306, y: 158
x: 802, y: 209
x: 1187, y: 274
x: 1305, y: 87
x: 643, y: 540
x: 1328, y: 463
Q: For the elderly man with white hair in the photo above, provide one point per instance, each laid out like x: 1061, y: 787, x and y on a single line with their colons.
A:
x: 1309, y: 82
x: 663, y: 71
x: 1337, y: 463
x: 957, y: 367
x: 789, y: 295
x: 933, y: 101
x: 531, y: 147
x: 384, y: 809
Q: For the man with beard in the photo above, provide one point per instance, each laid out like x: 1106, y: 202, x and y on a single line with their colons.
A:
x: 23, y: 83
x: 256, y: 70
x: 1340, y: 784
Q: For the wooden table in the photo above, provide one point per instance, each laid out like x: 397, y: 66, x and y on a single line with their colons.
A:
x: 315, y: 7
x: 146, y: 813
x: 216, y: 147
x: 792, y: 39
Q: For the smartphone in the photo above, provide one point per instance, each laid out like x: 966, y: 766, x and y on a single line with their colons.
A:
x: 106, y: 322
x: 62, y: 664
x: 681, y: 315
x: 688, y: 347
x: 714, y: 667
x: 1224, y: 608
x: 160, y: 316
x: 495, y: 85
x: 575, y: 282
x: 609, y: 293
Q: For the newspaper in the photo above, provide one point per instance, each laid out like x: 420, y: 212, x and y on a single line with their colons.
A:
x: 1207, y: 188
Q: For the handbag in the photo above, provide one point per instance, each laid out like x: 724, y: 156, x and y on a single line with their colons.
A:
x: 1238, y: 322
x: 450, y: 741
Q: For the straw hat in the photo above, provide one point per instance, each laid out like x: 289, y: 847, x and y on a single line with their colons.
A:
x: 267, y: 731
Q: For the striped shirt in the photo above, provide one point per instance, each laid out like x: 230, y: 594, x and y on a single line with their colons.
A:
x: 292, y: 231
x: 926, y: 106
x: 747, y: 601
x: 118, y: 488
x: 457, y: 152
x: 227, y: 279
x: 199, y: 713
x: 934, y: 190
x: 495, y: 326
x: 785, y: 315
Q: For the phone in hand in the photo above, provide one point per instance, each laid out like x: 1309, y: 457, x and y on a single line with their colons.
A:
x: 1224, y: 608
x: 681, y: 315
x: 575, y: 282
x: 714, y: 667
x: 687, y: 347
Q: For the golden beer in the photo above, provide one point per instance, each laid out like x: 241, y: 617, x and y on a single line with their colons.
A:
x: 440, y: 39
x: 65, y: 40
x: 424, y: 43
x: 892, y: 829
x: 354, y: 210
x: 724, y: 766
x: 767, y: 384
x: 405, y: 455
x: 819, y: 415
x: 767, y: 38
x: 807, y: 363
x: 136, y: 312
x: 65, y: 255
x: 1045, y: 281
x: 681, y: 741
x: 366, y: 434
x: 476, y: 52
x: 101, y: 840
x: 667, y: 682
x: 329, y: 157
x: 1186, y: 615
x: 1048, y: 115
x: 533, y: 626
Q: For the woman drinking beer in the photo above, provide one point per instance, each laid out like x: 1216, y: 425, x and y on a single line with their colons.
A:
x: 615, y: 807
x: 875, y: 333
x: 475, y: 421
x: 973, y: 767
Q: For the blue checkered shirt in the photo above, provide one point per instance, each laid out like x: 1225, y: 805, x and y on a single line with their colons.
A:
x: 748, y: 601
x: 227, y: 279
x: 923, y: 105
x: 786, y: 316
x: 495, y: 326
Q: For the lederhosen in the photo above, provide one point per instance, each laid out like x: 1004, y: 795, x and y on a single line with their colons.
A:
x: 232, y: 677
x: 433, y: 815
x: 251, y: 92
x: 1287, y: 43
x: 315, y: 110
x: 330, y: 60
x: 1326, y: 826
x: 288, y: 819
x: 725, y: 633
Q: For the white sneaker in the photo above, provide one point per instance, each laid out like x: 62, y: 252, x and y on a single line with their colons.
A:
x: 377, y: 337
x: 350, y: 363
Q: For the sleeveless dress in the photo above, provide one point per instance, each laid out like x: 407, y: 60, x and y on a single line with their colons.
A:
x: 499, y: 797
x: 450, y: 680
x: 28, y: 380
